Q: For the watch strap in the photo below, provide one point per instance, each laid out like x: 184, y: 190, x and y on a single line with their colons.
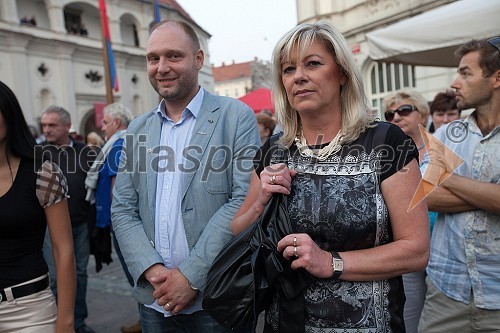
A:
x: 337, y: 264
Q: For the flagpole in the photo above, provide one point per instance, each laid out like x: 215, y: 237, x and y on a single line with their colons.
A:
x: 109, y: 88
x: 105, y: 55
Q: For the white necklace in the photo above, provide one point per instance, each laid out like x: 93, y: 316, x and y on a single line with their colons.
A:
x: 323, y: 153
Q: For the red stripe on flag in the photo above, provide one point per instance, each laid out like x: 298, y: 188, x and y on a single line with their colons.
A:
x: 107, y: 38
x: 104, y: 19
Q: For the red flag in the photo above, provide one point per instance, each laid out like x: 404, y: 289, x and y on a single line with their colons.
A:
x: 107, y: 38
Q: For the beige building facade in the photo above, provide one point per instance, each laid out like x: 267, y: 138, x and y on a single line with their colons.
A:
x: 56, y: 61
x: 356, y: 18
x: 238, y: 79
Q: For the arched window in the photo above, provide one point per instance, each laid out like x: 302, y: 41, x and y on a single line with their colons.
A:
x: 46, y: 98
x: 385, y: 78
x: 137, y: 105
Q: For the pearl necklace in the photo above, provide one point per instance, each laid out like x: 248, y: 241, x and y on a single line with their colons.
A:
x: 323, y: 153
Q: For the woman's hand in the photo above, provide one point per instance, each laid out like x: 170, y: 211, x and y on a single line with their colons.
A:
x: 273, y: 179
x: 65, y: 325
x: 307, y: 254
x: 276, y: 178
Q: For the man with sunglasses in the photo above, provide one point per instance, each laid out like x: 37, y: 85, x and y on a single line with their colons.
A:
x: 463, y: 282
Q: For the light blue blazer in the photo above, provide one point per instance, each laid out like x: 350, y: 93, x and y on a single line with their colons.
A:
x: 212, y: 192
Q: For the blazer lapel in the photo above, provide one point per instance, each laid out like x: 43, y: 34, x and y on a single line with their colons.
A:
x: 202, y: 133
x: 153, y: 131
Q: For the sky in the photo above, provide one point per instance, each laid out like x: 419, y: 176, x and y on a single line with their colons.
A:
x: 242, y: 29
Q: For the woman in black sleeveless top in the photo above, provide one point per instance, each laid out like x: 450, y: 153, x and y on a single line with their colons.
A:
x: 32, y: 195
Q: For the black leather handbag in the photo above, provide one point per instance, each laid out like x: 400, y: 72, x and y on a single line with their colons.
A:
x: 243, y: 277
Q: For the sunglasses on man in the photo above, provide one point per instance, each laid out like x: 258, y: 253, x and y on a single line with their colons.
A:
x: 403, y: 111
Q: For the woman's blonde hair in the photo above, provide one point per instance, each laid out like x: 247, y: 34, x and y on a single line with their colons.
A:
x: 355, y: 109
x: 414, y: 97
x: 95, y: 139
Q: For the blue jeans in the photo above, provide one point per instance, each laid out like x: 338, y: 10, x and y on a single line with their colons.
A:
x: 153, y: 321
x: 81, y: 244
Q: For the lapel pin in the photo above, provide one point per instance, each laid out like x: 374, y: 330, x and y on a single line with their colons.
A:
x: 210, y: 121
x: 201, y: 133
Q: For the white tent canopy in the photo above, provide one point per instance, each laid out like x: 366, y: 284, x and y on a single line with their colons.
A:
x: 431, y: 38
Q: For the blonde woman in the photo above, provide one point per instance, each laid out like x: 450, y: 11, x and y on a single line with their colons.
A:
x: 347, y: 205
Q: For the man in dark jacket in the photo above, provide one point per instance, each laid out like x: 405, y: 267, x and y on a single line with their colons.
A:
x: 74, y: 159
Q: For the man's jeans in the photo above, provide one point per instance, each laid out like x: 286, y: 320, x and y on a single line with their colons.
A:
x: 82, y: 252
x: 153, y: 321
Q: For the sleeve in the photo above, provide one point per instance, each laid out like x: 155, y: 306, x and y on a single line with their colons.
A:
x: 51, y: 185
x: 217, y: 231
x: 113, y: 159
x: 260, y: 161
x: 263, y: 156
x: 400, y: 151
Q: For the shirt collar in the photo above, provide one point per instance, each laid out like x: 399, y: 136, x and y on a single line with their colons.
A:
x: 69, y: 145
x: 193, y: 107
x: 471, y: 122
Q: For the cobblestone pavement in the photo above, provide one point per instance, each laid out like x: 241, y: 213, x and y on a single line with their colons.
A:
x: 109, y: 298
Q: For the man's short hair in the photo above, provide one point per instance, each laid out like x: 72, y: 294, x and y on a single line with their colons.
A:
x: 119, y: 111
x: 489, y: 55
x: 195, y: 43
x: 64, y: 115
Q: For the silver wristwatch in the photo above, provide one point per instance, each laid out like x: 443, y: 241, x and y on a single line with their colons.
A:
x: 337, y: 264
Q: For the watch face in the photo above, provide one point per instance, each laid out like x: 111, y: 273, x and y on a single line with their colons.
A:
x: 338, y: 265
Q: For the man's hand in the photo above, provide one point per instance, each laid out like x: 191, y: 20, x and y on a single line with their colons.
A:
x: 172, y: 290
x: 152, y: 272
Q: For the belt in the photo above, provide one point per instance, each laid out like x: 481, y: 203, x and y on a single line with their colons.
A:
x: 26, y: 289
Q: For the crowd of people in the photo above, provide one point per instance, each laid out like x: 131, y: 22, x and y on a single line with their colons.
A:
x: 25, y: 20
x: 168, y: 189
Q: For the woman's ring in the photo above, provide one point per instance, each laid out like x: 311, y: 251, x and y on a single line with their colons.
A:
x: 167, y: 305
x: 295, y: 251
x: 295, y: 241
x: 272, y: 180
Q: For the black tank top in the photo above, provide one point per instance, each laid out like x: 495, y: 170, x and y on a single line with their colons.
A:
x: 22, y: 229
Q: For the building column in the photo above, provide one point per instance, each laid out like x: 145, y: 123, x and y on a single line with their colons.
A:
x: 56, y: 18
x: 16, y: 46
x: 114, y: 24
x: 8, y: 11
x: 67, y: 98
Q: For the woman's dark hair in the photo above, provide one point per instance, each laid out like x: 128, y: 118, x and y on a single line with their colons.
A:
x: 18, y: 139
x: 444, y: 101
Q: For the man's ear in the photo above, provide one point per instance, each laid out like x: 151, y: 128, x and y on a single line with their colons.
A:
x: 496, y: 77
x: 200, y: 59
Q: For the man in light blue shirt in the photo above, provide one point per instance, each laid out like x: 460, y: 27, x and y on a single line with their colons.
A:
x: 186, y: 170
x: 464, y: 268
